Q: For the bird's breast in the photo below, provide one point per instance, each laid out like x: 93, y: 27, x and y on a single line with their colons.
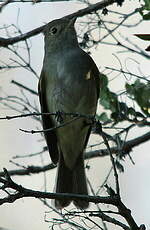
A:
x: 70, y: 87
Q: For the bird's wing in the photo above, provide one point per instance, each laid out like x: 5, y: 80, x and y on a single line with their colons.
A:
x: 92, y: 73
x: 50, y: 136
x: 95, y: 75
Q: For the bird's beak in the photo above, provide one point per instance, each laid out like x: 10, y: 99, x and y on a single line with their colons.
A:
x: 72, y: 21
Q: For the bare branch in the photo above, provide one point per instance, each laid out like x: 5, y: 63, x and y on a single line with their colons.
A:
x: 109, y: 219
x: 29, y: 170
x: 79, y: 115
x: 24, y: 87
x: 112, y: 160
x: 24, y: 192
x: 21, y: 192
x: 9, y: 41
x: 4, y: 3
x: 125, y: 72
x: 88, y: 10
x: 48, y: 130
x: 126, y: 148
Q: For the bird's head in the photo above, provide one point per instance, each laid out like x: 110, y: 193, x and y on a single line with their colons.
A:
x: 60, y: 33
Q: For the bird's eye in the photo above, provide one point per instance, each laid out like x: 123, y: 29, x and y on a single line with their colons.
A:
x: 53, y: 30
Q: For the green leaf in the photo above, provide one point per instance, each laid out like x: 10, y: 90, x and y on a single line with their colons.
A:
x: 147, y: 4
x: 146, y: 16
x: 131, y: 111
x: 146, y: 7
x: 103, y: 117
x: 141, y: 94
x: 138, y: 91
x: 104, y: 81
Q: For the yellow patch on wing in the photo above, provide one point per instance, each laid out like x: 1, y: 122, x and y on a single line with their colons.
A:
x: 88, y: 75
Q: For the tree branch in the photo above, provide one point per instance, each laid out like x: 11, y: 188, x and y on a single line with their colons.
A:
x: 127, y: 147
x: 109, y: 219
x: 29, y: 170
x: 112, y: 161
x: 20, y: 192
x: 4, y: 3
x: 24, y: 192
x: 4, y: 42
x: 24, y: 87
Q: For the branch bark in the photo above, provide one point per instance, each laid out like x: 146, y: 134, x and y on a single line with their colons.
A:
x: 4, y: 42
x: 128, y: 145
x: 21, y: 192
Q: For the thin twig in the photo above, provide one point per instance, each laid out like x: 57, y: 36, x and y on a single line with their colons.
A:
x: 24, y: 87
x: 48, y: 130
x: 47, y: 114
x: 113, y: 162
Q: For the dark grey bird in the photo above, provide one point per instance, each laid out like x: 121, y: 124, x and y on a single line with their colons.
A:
x: 69, y: 83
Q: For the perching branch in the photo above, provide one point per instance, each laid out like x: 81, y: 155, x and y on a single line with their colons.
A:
x: 7, y: 182
x: 20, y: 192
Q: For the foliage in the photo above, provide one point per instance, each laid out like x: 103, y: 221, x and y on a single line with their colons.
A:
x: 145, y: 8
x: 138, y: 92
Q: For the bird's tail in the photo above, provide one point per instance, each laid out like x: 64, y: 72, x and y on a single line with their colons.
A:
x: 71, y: 181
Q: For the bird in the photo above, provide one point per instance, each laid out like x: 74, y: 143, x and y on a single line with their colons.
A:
x: 69, y: 84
